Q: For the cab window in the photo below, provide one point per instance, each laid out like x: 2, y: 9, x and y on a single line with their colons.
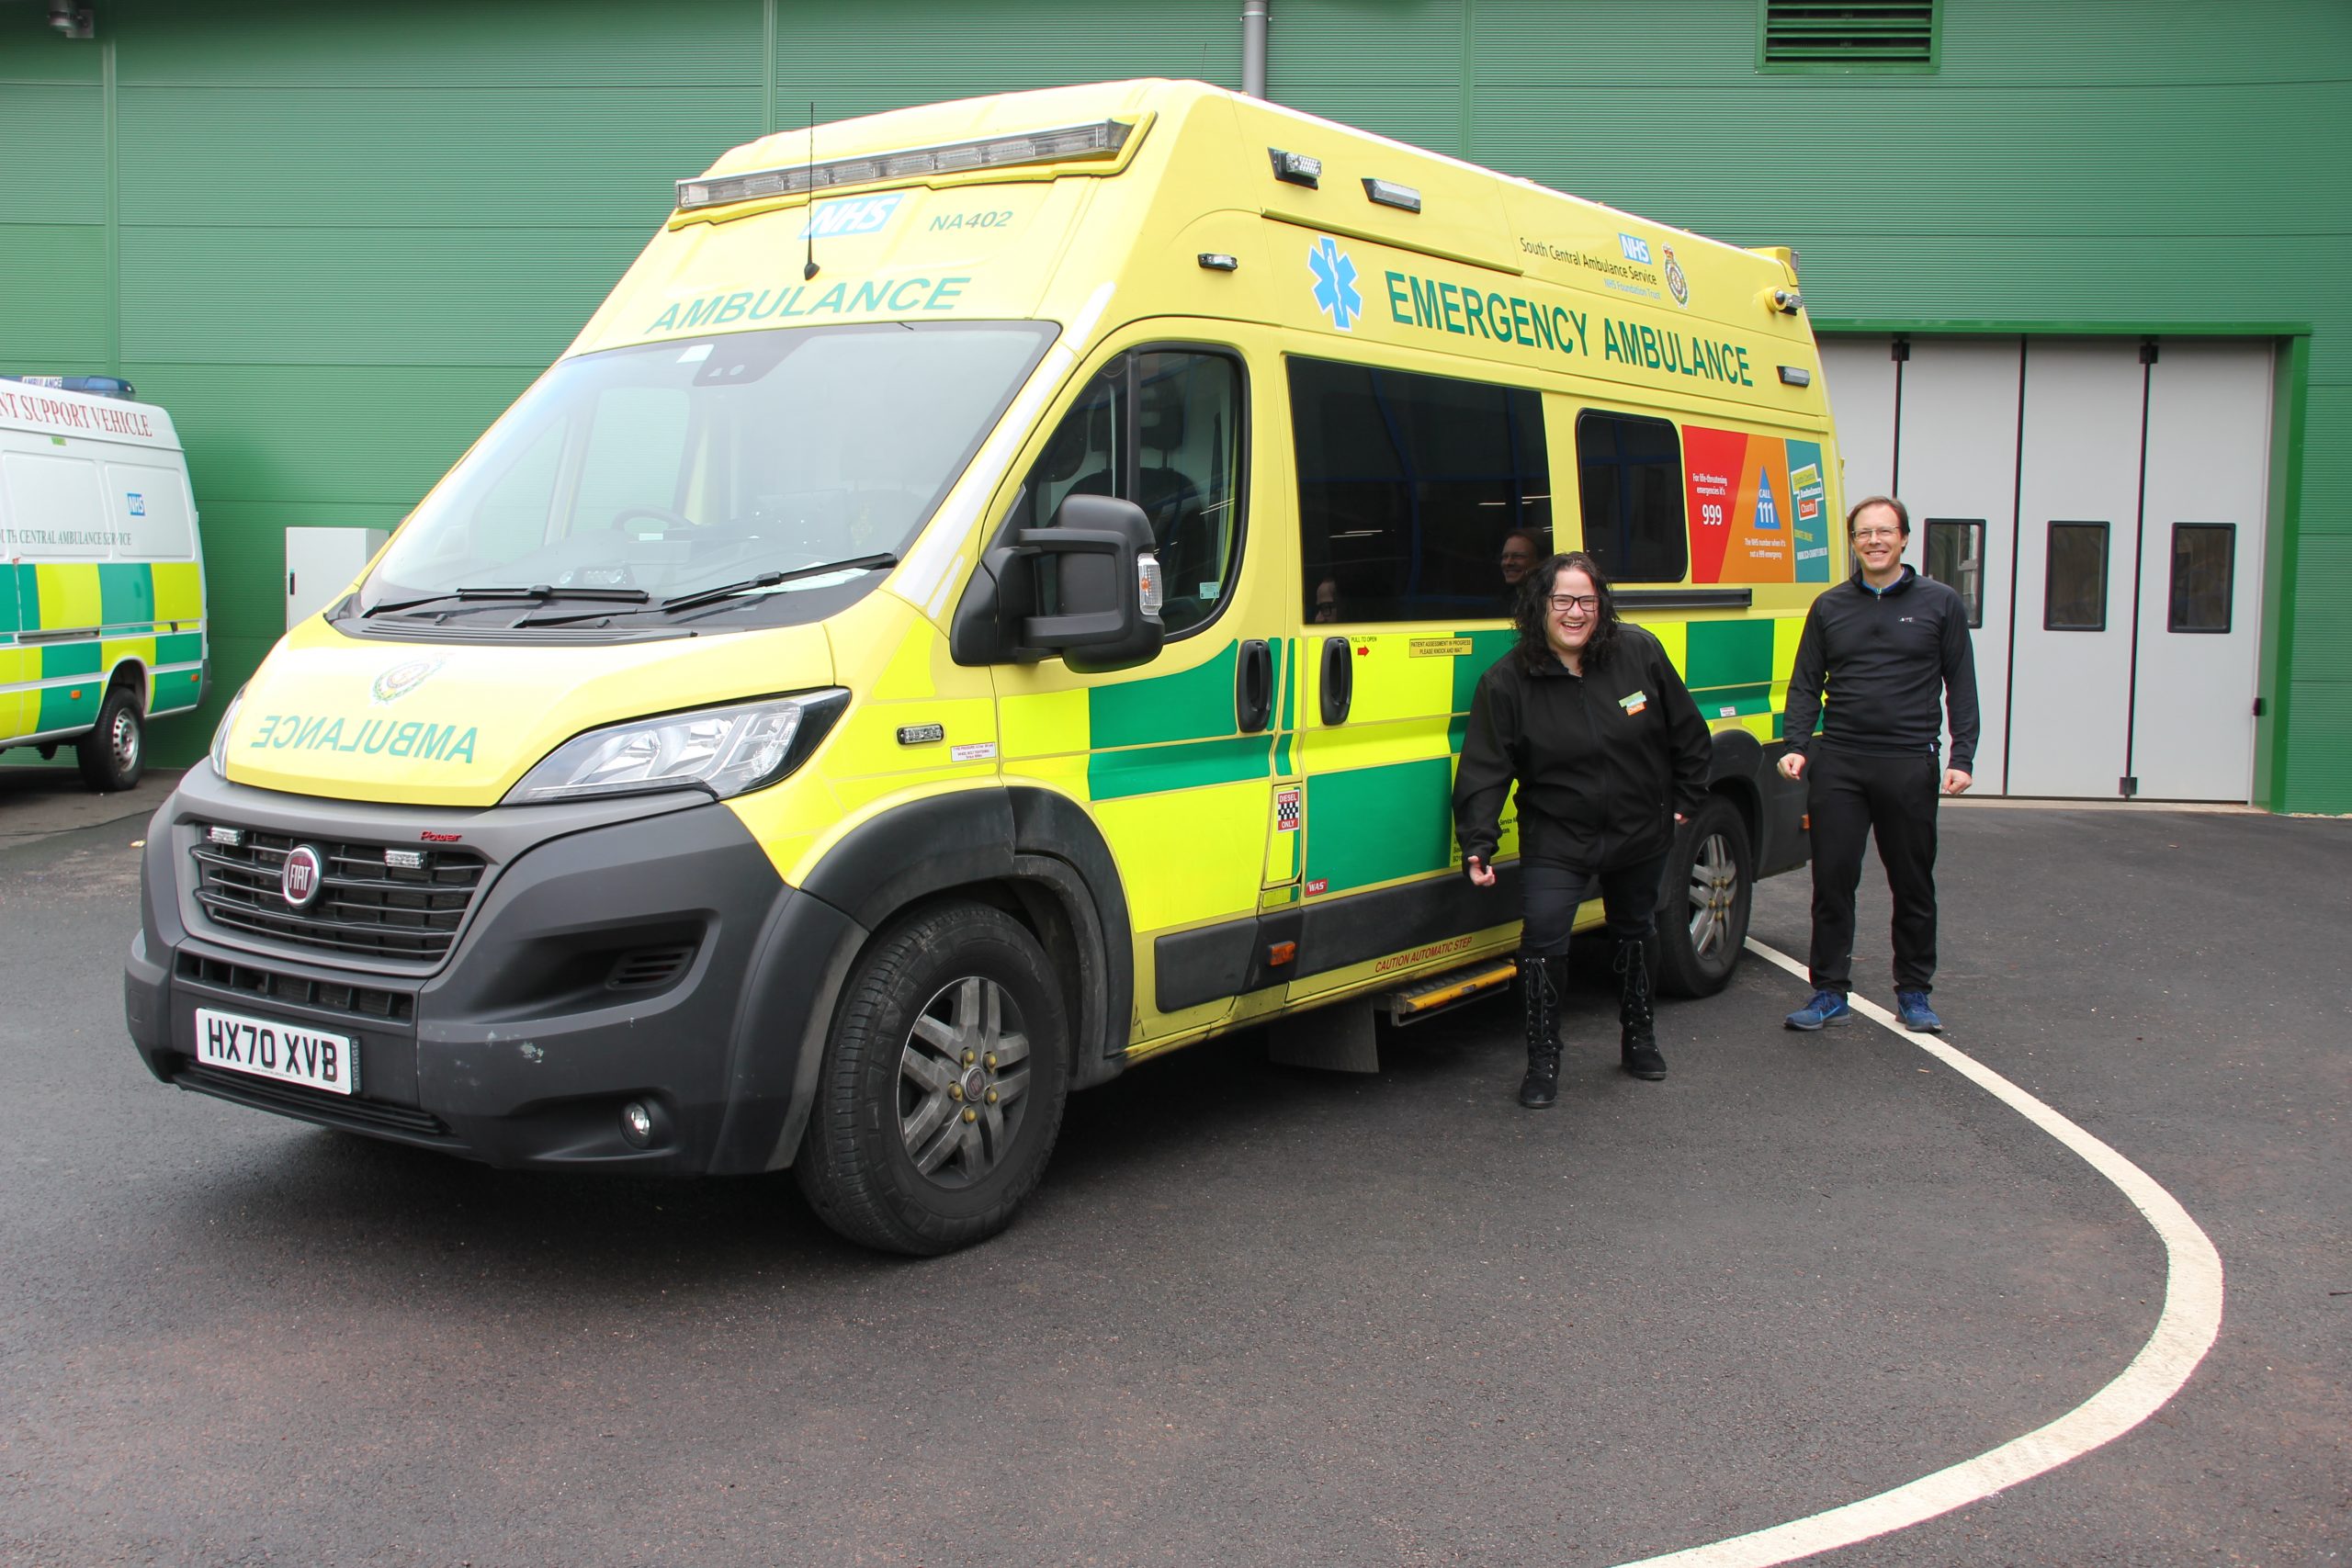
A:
x: 1162, y: 428
x: 1409, y: 487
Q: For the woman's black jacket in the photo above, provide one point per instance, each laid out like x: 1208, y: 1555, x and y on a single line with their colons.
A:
x: 1603, y: 760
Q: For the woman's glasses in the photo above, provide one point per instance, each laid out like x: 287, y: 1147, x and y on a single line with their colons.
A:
x: 1564, y: 602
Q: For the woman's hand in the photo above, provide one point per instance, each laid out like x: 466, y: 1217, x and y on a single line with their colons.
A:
x: 1481, y: 874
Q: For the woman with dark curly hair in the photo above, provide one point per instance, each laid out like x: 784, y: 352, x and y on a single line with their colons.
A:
x: 1589, y: 718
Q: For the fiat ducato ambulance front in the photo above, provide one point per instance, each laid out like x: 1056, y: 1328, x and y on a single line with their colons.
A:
x: 489, y: 857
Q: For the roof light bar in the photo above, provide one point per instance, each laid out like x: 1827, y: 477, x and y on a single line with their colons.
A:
x: 1070, y: 144
x: 97, y: 385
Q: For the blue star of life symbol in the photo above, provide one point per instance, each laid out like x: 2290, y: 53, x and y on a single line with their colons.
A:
x: 1336, y: 294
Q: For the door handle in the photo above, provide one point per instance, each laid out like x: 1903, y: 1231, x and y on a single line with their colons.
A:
x: 1253, y: 694
x: 1339, y: 679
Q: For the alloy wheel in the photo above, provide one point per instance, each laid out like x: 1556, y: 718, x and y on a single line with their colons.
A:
x: 961, y: 1077
x: 1715, y: 886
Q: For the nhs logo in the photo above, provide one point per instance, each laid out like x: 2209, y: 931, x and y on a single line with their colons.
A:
x: 1637, y: 249
x: 859, y: 215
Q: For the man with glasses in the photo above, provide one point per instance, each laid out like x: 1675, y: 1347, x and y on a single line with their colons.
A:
x: 1521, y: 550
x: 1892, y: 648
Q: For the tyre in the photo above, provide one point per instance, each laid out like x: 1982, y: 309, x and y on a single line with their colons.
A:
x: 1703, y: 902
x: 943, y: 1084
x: 115, y: 751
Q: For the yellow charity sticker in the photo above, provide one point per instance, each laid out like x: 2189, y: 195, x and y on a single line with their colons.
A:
x: 1439, y: 647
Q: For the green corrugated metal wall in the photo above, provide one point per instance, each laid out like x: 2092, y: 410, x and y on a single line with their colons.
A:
x: 336, y: 239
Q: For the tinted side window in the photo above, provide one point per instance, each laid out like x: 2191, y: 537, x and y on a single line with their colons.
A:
x: 1162, y: 429
x: 1630, y: 471
x: 1408, y: 487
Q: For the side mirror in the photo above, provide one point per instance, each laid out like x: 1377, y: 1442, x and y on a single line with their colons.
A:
x: 1095, y: 572
x: 1099, y: 556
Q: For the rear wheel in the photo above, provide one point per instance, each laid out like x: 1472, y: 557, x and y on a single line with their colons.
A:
x: 115, y: 751
x: 943, y: 1085
x: 1703, y: 902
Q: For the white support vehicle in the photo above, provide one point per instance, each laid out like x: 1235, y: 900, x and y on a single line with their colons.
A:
x: 102, y: 610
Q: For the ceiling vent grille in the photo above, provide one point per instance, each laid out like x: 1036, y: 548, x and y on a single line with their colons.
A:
x: 1851, y: 35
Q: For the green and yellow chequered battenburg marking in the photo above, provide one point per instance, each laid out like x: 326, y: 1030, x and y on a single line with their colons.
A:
x: 151, y: 613
x: 1165, y: 732
x: 1393, y: 819
x: 1378, y: 800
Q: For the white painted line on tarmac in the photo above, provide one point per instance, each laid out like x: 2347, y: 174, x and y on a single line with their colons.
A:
x: 2185, y: 1330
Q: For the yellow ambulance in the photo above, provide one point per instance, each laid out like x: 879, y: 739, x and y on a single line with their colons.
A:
x: 993, y: 596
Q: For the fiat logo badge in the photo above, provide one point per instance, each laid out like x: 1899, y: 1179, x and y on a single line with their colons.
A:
x: 298, y: 878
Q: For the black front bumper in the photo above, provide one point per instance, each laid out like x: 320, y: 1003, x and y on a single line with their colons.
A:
x: 547, y: 1015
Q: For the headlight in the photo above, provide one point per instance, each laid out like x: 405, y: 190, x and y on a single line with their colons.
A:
x: 727, y: 750
x: 220, y: 736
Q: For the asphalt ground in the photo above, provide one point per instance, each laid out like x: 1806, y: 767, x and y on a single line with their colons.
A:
x: 37, y: 800
x: 1255, y: 1314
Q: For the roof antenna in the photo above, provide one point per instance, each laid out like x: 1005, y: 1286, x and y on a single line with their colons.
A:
x: 809, y: 271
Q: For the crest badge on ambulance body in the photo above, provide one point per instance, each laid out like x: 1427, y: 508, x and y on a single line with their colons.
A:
x: 401, y: 679
x: 1678, y: 282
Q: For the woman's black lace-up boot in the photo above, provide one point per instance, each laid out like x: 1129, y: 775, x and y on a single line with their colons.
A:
x: 1637, y: 1033
x: 1541, y: 1088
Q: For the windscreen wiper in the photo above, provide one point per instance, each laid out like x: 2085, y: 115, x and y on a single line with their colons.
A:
x: 770, y: 579
x: 539, y: 592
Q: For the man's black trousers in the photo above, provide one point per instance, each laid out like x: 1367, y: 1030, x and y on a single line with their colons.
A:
x: 1849, y: 794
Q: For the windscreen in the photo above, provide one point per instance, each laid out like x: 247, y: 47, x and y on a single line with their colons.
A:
x: 650, y: 474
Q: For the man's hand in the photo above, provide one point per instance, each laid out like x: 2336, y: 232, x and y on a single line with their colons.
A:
x: 1792, y: 764
x: 1956, y: 781
x: 1481, y: 874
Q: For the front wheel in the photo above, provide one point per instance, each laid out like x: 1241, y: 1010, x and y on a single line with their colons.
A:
x: 115, y: 750
x: 943, y: 1085
x: 1703, y: 902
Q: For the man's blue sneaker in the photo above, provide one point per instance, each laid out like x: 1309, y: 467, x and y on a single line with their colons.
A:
x: 1917, y: 1016
x: 1825, y: 1008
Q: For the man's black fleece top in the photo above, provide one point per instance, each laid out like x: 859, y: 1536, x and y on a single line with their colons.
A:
x: 1603, y: 760
x: 1891, y: 660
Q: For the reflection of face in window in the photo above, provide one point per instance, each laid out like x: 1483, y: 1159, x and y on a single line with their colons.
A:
x: 1518, y: 559
x: 1327, y: 599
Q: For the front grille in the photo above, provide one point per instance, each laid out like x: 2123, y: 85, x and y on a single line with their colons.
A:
x: 315, y: 1105
x: 367, y: 904
x: 360, y: 1001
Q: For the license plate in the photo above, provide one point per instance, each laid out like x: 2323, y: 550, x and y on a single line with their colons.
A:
x: 288, y: 1052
